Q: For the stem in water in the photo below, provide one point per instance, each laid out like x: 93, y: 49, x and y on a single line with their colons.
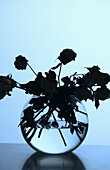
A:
x: 60, y: 132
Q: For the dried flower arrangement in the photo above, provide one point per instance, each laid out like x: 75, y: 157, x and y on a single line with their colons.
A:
x: 50, y: 93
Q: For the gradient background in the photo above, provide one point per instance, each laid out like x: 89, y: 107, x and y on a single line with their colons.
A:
x: 40, y: 30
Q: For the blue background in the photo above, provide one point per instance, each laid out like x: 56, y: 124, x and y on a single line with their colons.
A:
x: 40, y: 30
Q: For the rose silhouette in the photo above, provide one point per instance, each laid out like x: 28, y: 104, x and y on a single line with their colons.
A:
x: 20, y: 62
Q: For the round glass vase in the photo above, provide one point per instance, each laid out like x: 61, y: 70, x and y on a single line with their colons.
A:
x: 57, y: 136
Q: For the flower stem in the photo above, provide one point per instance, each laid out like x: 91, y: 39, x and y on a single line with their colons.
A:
x: 32, y: 69
x: 40, y: 132
x: 59, y: 74
x: 60, y: 132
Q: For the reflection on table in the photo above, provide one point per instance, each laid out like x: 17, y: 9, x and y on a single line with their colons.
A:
x: 41, y: 161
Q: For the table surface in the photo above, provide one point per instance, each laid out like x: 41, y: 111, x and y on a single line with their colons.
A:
x: 85, y: 157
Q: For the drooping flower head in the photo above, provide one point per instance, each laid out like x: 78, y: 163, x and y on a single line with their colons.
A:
x: 67, y: 55
x: 21, y: 62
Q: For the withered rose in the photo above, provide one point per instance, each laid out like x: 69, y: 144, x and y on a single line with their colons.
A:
x: 21, y: 62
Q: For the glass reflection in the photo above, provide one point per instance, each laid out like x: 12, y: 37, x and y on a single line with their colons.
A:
x: 42, y: 161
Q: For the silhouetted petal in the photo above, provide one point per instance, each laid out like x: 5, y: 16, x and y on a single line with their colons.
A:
x: 66, y: 80
x: 67, y: 55
x: 90, y: 79
x: 39, y: 78
x: 51, y: 75
x: 93, y: 69
x: 105, y: 79
x: 95, y: 77
x: 48, y: 86
x: 6, y: 85
x: 102, y: 93
x: 20, y: 62
x: 28, y: 112
x: 82, y: 93
x: 54, y: 124
x: 38, y: 103
x: 32, y: 87
x: 2, y: 94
